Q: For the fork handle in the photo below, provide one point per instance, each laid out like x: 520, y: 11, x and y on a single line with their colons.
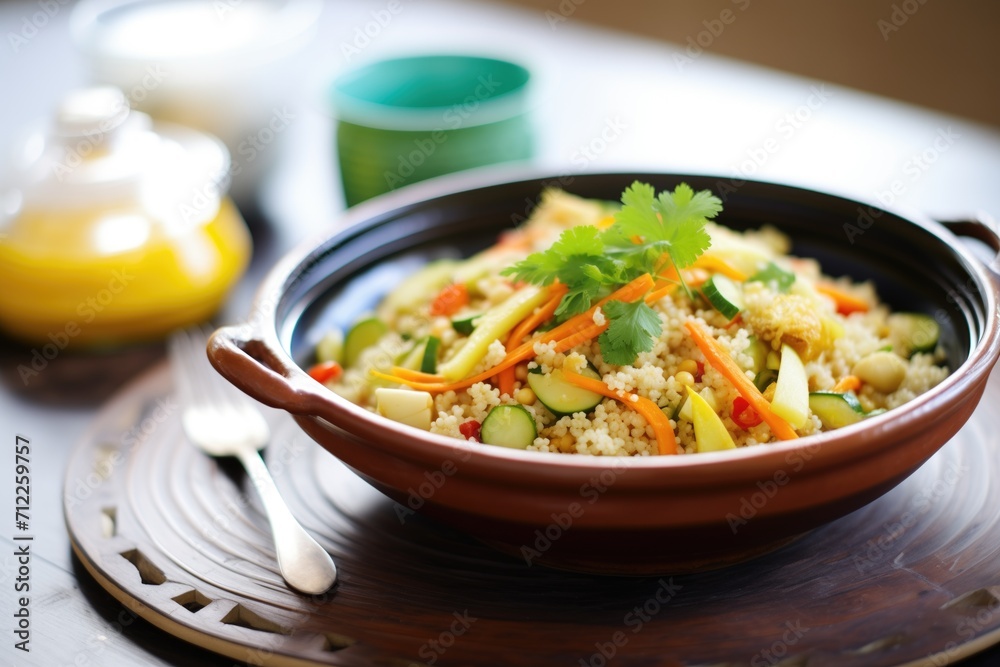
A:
x: 303, y: 563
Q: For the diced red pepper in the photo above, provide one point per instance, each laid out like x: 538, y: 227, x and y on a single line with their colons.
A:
x: 743, y: 415
x: 327, y: 371
x: 450, y: 300
x: 470, y: 429
x: 700, y: 372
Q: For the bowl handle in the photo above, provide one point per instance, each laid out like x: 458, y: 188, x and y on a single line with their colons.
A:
x: 982, y: 228
x: 255, y: 368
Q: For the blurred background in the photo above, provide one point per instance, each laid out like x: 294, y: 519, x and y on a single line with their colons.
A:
x: 936, y: 54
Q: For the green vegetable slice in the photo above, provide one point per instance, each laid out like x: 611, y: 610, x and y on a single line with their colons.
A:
x: 725, y: 295
x: 835, y: 409
x: 913, y: 332
x: 428, y: 363
x: 465, y: 325
x: 791, y: 395
x: 509, y: 426
x: 562, y: 397
x: 362, y: 335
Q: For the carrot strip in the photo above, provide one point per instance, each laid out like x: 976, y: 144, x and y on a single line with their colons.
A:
x: 846, y: 302
x: 847, y: 383
x: 719, y: 265
x: 658, y: 294
x: 572, y: 331
x: 722, y: 362
x: 419, y: 376
x: 628, y: 293
x: 666, y: 441
x: 581, y: 336
x: 504, y: 380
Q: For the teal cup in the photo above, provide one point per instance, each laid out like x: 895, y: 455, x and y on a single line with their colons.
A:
x: 408, y: 119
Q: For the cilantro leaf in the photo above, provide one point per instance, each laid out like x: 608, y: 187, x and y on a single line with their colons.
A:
x: 633, y: 328
x: 577, y: 260
x: 651, y: 234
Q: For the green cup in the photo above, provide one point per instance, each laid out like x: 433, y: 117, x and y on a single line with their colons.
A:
x: 408, y: 119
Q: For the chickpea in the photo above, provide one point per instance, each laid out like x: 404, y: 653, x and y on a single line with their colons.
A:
x: 521, y: 372
x: 563, y: 443
x: 685, y: 378
x: 689, y: 366
x: 525, y: 396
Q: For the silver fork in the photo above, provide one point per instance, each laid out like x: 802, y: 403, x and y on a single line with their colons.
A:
x: 222, y: 421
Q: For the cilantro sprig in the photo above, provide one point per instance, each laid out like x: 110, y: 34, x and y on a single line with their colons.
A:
x: 654, y: 234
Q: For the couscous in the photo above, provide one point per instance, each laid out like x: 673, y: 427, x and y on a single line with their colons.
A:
x: 633, y: 330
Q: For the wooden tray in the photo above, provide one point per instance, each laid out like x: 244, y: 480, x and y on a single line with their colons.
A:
x: 911, y: 579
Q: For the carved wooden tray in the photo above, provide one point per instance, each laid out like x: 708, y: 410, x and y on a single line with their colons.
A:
x: 911, y: 579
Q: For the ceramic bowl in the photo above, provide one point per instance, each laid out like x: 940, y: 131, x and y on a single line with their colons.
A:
x: 621, y: 515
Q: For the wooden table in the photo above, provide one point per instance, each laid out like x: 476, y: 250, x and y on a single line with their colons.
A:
x: 604, y: 102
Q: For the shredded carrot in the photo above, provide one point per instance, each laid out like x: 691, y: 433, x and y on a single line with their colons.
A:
x: 572, y: 332
x: 628, y: 293
x: 847, y: 383
x: 846, y: 302
x: 666, y: 441
x: 719, y: 265
x: 719, y: 358
x: 504, y: 380
x: 419, y: 376
x: 659, y: 293
x: 581, y: 336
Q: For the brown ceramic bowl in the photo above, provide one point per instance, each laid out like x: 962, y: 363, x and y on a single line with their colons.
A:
x: 619, y: 515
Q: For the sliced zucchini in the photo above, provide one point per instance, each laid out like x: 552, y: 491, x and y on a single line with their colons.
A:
x: 764, y: 378
x: 509, y: 426
x: 710, y: 434
x: 560, y: 396
x: 758, y: 350
x: 405, y: 406
x: 428, y: 364
x: 913, y: 332
x: 465, y: 325
x: 836, y: 410
x: 791, y: 395
x: 363, y: 334
x: 422, y: 356
x: 725, y: 295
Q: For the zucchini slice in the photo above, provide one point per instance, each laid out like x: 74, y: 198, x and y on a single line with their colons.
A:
x: 562, y: 397
x: 836, y: 410
x: 791, y: 394
x: 465, y: 325
x: 362, y: 335
x: 913, y: 332
x: 725, y: 295
x: 509, y: 426
x: 422, y: 356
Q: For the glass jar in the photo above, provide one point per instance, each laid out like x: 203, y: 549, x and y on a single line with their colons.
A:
x: 113, y: 229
